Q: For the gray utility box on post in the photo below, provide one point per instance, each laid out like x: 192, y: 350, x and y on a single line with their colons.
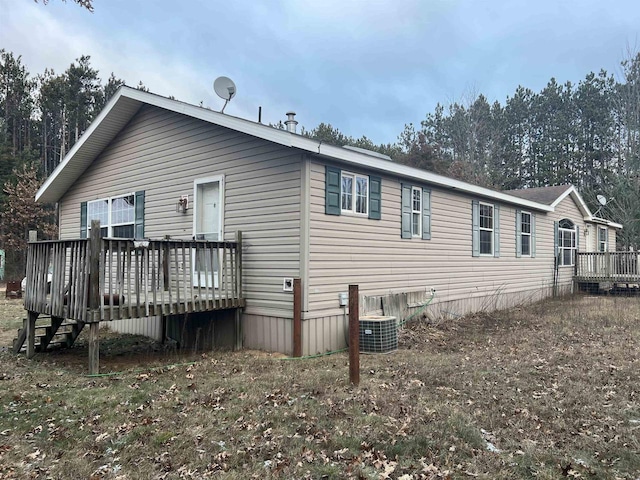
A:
x: 378, y: 334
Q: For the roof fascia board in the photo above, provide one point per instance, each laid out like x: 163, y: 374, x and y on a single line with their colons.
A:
x: 604, y: 221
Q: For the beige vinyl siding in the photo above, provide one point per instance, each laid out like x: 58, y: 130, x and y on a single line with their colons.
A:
x: 371, y: 253
x: 568, y: 209
x: 591, y: 240
x: 612, y: 240
x: 163, y: 153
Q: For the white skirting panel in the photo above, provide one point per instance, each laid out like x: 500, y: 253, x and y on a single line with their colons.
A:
x: 442, y: 310
x: 275, y: 334
x: 324, y: 334
x: 149, y: 327
x: 330, y: 333
x: 271, y: 334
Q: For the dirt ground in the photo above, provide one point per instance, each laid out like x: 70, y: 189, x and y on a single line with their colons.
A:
x: 117, y: 352
x: 546, y: 391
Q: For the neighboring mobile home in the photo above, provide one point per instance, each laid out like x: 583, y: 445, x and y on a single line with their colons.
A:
x: 149, y: 167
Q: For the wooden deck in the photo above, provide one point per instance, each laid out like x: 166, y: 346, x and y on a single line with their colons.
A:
x: 607, y: 267
x: 103, y: 279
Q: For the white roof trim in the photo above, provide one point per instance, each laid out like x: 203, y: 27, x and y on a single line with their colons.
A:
x: 604, y: 221
x: 80, y: 156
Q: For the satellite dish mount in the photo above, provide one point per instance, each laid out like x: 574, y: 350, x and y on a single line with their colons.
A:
x: 224, y: 88
x: 602, y: 200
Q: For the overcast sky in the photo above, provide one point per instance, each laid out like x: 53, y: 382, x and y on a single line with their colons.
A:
x: 366, y: 67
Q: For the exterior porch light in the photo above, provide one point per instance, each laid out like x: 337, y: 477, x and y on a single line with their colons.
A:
x: 183, y: 204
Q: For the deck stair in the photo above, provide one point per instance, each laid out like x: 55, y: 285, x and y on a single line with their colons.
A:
x: 50, y: 331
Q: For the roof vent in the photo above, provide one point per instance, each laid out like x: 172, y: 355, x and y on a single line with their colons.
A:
x: 367, y: 152
x: 291, y: 122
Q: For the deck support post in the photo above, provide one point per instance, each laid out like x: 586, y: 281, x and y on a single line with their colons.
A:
x: 297, y: 317
x: 31, y: 333
x: 238, y: 264
x: 238, y: 330
x: 354, y: 336
x: 94, y: 348
x: 95, y: 300
x: 238, y: 292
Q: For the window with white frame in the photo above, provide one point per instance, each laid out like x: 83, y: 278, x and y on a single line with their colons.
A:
x: 116, y: 214
x: 486, y: 229
x: 354, y: 193
x: 525, y: 234
x: 566, y: 242
x: 602, y: 239
x: 416, y: 212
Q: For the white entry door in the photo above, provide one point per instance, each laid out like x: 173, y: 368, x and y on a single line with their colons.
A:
x: 207, y: 225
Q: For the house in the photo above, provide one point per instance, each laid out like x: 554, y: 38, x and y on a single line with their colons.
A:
x: 152, y: 167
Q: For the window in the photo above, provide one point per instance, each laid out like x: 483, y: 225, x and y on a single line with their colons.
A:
x: 486, y: 229
x: 416, y: 212
x: 566, y: 242
x: 525, y: 234
x: 602, y: 239
x: 354, y: 193
x: 351, y: 193
x: 117, y: 216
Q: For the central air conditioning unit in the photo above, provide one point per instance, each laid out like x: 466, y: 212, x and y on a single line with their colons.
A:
x: 378, y: 334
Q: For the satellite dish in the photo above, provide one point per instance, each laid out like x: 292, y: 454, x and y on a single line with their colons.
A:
x: 602, y: 200
x: 224, y: 88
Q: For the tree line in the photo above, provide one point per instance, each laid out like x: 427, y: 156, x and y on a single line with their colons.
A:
x: 586, y: 134
x: 41, y: 118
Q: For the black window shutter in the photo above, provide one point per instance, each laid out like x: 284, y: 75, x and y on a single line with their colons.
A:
x: 332, y: 191
x: 406, y: 211
x: 83, y: 220
x: 139, y: 205
x: 426, y: 214
x: 375, y: 197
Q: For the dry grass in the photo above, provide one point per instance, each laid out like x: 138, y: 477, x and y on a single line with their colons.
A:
x: 553, y: 387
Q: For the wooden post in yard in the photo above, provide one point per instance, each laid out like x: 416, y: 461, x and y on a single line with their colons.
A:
x: 297, y: 317
x: 33, y: 235
x: 95, y: 246
x: 94, y: 348
x: 354, y: 336
x: 31, y: 333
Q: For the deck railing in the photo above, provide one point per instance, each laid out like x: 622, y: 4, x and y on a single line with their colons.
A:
x: 134, y: 278
x: 58, y: 278
x: 608, y: 266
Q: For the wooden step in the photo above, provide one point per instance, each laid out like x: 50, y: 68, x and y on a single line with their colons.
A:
x: 65, y: 334
x: 65, y: 339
